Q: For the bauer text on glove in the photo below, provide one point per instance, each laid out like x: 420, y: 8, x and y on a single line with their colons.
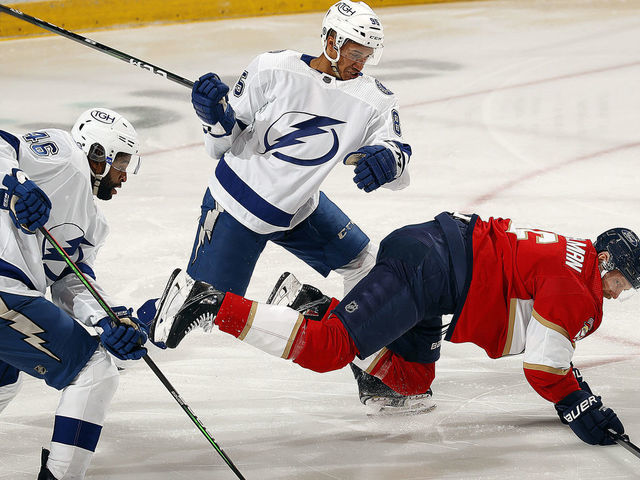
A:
x: 588, y: 418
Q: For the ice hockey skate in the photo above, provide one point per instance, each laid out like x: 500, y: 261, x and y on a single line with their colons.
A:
x: 185, y: 304
x: 304, y: 298
x: 45, y: 474
x: 382, y: 400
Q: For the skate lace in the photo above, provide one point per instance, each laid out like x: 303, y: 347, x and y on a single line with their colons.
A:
x: 206, y: 321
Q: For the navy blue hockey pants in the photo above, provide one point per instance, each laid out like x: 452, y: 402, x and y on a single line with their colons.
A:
x: 400, y: 303
x: 225, y: 254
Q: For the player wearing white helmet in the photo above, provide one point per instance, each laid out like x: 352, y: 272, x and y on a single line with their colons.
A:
x: 352, y: 36
x: 110, y: 142
x: 291, y: 118
x: 51, y: 177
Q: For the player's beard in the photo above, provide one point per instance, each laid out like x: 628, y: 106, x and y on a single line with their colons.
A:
x: 105, y: 187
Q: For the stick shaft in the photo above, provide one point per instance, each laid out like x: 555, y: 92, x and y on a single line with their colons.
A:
x: 146, y: 358
x: 96, y: 46
x: 623, y: 441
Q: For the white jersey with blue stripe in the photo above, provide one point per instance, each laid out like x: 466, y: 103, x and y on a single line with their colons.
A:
x: 51, y: 158
x: 21, y: 270
x: 294, y: 124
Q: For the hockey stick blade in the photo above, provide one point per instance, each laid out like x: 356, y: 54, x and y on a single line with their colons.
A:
x: 136, y: 62
x: 623, y: 441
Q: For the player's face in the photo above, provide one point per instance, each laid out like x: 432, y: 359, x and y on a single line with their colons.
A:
x: 614, y: 283
x: 353, y: 56
x: 112, y: 180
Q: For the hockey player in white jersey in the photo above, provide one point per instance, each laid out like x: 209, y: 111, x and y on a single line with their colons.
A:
x: 290, y: 119
x: 49, y: 177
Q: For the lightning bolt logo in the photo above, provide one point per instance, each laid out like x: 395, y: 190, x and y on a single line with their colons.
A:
x: 72, y: 239
x: 315, y: 125
x: 30, y: 330
x: 205, y: 231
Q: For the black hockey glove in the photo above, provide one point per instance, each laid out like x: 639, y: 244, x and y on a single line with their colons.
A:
x: 588, y: 418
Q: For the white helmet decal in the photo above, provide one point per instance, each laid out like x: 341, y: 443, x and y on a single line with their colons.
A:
x: 354, y: 21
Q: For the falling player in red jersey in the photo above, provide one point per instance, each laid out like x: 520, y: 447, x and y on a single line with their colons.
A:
x: 511, y: 291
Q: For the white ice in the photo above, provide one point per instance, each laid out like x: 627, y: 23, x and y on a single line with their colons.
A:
x: 518, y: 108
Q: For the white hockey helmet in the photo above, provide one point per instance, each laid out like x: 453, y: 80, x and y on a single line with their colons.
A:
x: 353, y: 21
x: 106, y: 136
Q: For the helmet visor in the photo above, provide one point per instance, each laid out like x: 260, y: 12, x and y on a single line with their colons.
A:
x: 125, y: 162
x: 355, y: 52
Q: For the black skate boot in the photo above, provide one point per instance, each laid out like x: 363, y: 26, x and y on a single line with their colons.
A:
x: 184, y: 305
x: 383, y: 400
x: 45, y: 474
x: 304, y: 298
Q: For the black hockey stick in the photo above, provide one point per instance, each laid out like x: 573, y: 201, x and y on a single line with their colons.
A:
x: 623, y: 441
x: 97, y: 46
x: 146, y: 358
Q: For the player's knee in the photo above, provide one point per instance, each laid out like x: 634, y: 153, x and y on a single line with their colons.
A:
x: 8, y: 391
x: 100, y: 375
x: 359, y: 267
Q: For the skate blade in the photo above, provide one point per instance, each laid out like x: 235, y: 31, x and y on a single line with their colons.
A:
x: 387, y: 411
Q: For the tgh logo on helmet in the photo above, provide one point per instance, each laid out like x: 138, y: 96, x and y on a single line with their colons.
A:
x: 345, y: 9
x: 103, y: 117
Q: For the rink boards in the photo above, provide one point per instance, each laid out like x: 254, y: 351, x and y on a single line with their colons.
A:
x: 103, y: 14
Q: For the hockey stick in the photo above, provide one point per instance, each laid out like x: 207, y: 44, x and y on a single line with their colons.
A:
x: 97, y: 46
x: 146, y: 358
x: 623, y: 441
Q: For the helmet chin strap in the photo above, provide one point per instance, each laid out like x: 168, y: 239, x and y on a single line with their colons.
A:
x: 95, y: 181
x: 334, y: 62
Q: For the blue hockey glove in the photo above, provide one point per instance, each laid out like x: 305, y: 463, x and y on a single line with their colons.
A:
x: 376, y: 166
x: 209, y: 99
x: 28, y: 205
x: 588, y: 418
x: 124, y: 339
x: 146, y: 314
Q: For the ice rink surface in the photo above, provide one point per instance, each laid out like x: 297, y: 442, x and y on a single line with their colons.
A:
x: 521, y: 109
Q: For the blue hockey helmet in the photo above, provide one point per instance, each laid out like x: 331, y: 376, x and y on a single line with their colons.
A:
x: 623, y: 247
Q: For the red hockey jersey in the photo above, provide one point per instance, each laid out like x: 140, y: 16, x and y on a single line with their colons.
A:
x: 533, y: 292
